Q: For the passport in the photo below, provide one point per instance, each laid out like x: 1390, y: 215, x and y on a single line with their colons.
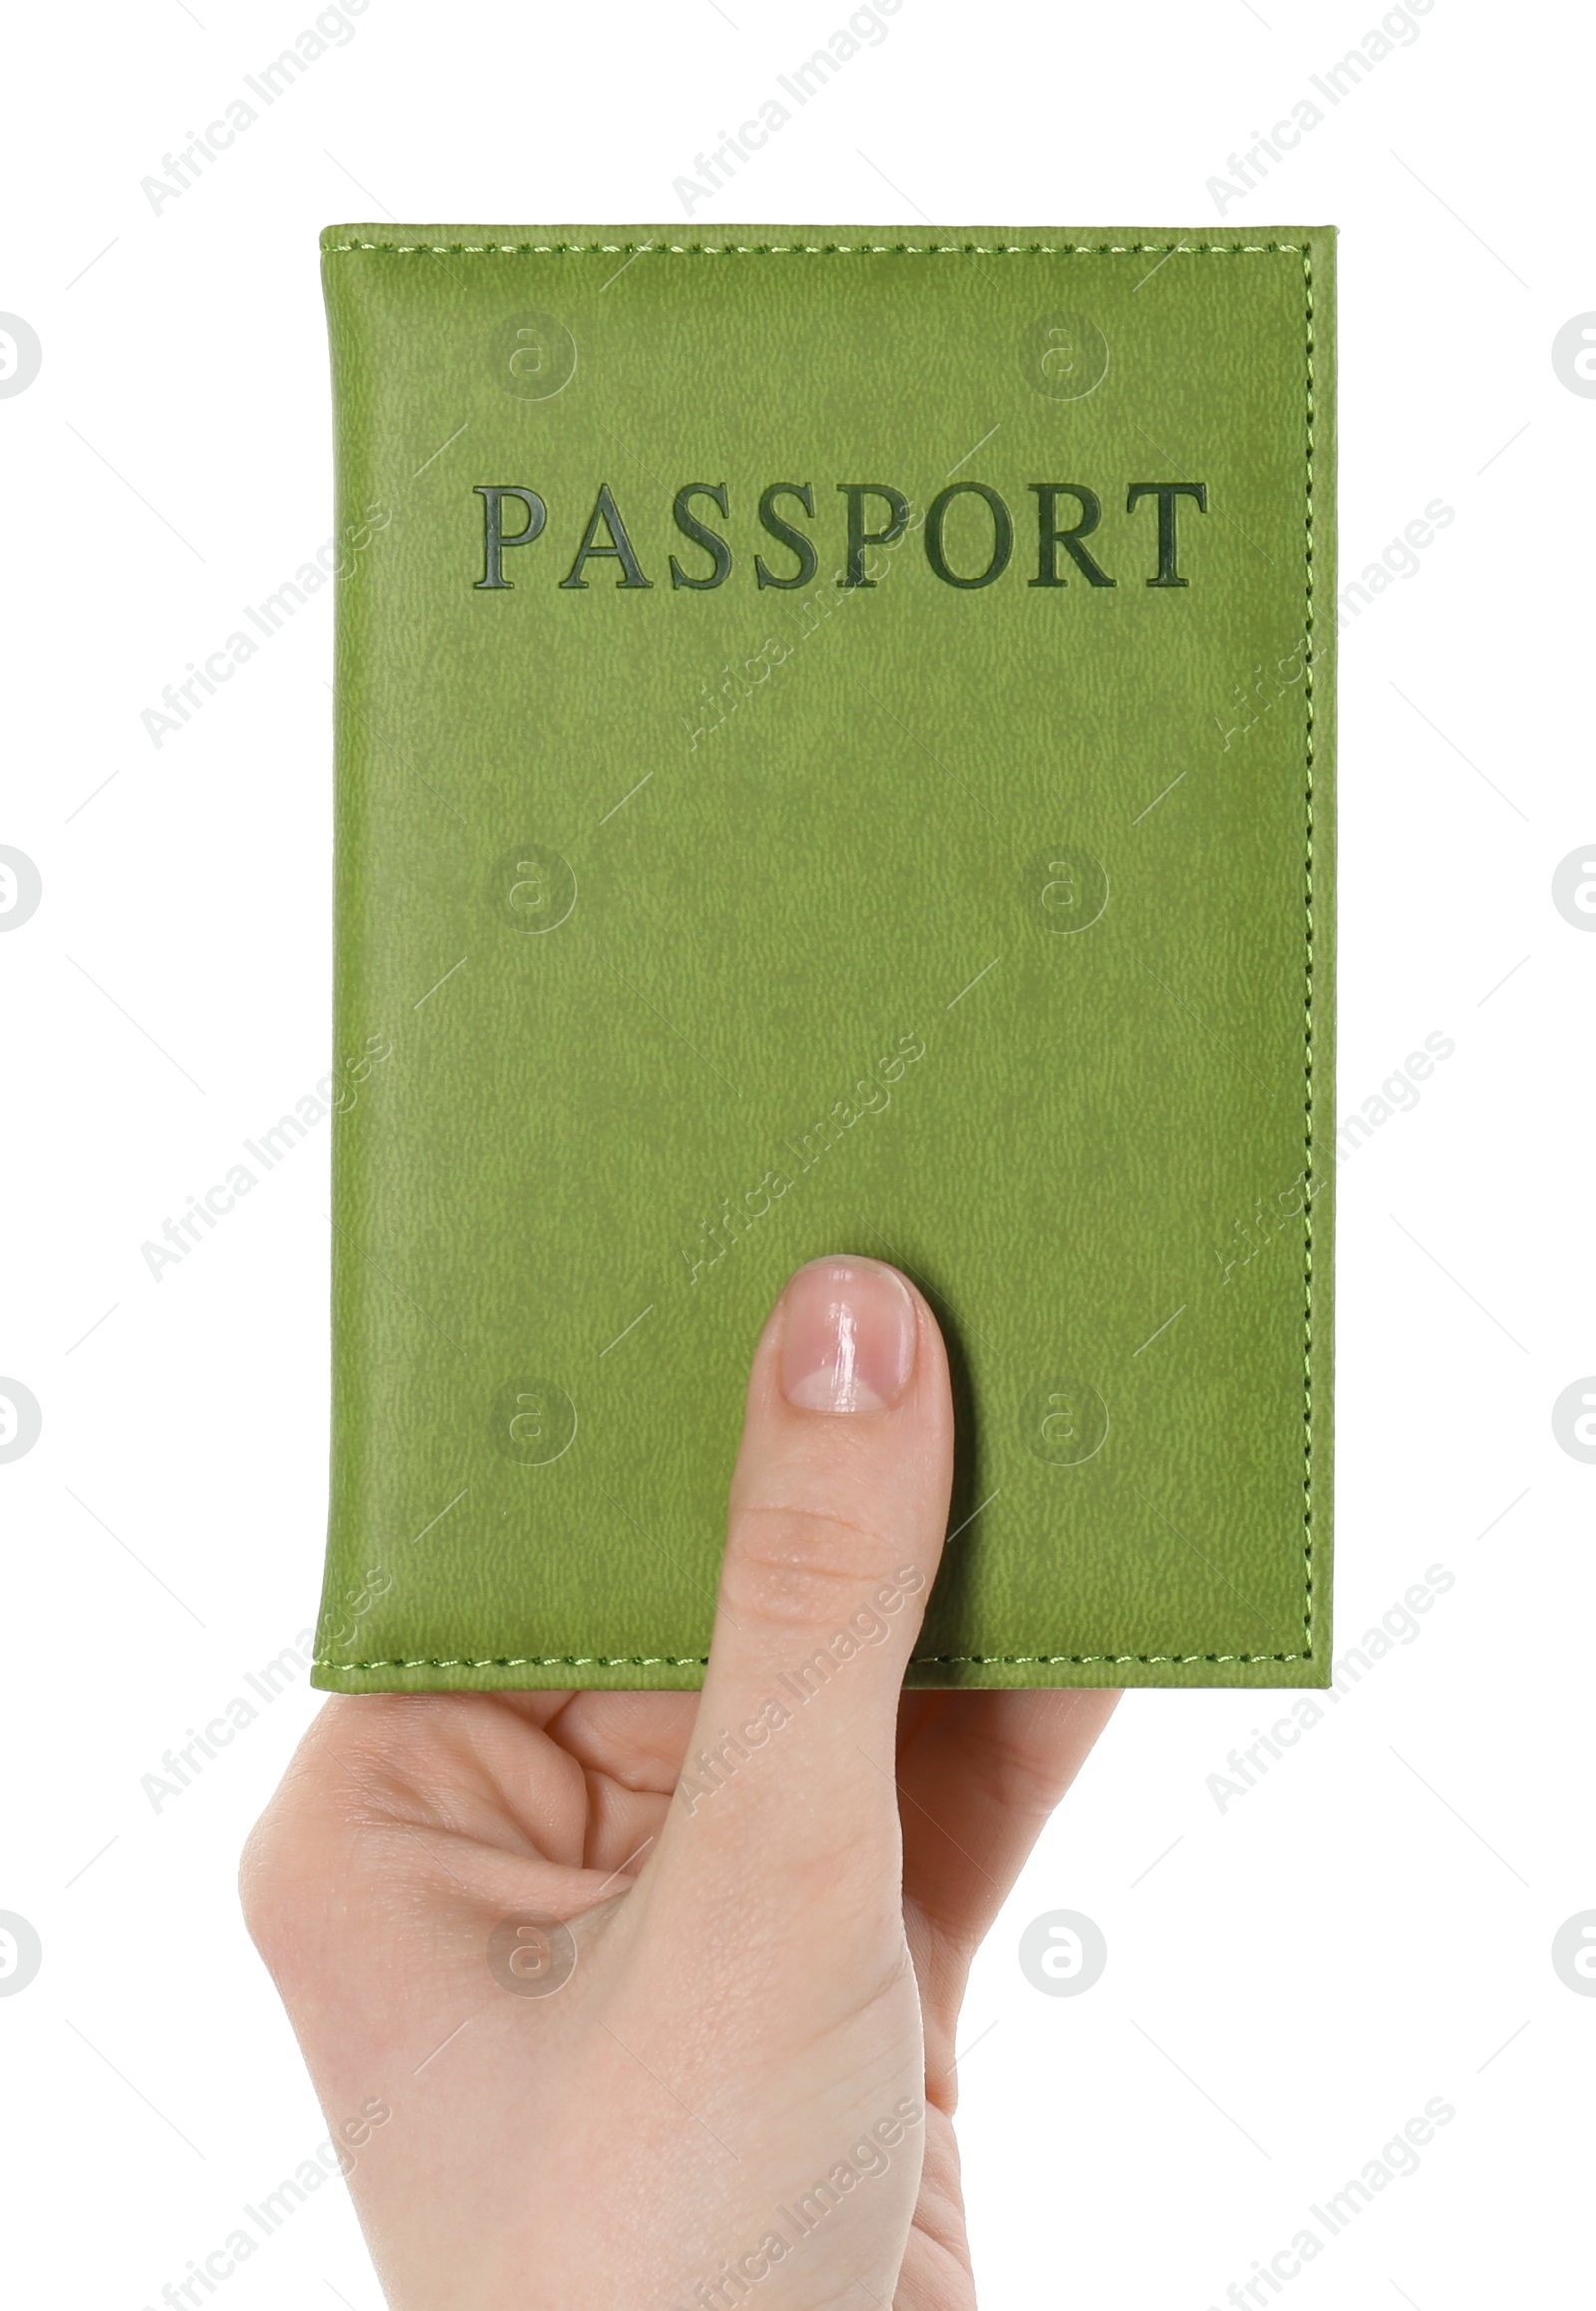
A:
x: 834, y: 753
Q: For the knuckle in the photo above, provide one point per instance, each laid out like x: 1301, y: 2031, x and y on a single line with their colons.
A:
x: 268, y: 1910
x: 804, y: 1565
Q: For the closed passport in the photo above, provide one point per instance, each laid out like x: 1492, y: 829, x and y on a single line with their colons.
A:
x: 834, y: 754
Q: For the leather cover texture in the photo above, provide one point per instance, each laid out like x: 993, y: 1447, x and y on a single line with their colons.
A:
x: 834, y: 754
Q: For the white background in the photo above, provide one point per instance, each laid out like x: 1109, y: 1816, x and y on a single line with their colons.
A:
x: 1289, y: 1979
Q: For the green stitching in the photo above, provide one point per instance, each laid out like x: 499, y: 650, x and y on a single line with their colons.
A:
x: 701, y: 1659
x: 533, y: 1661
x: 1308, y: 979
x: 829, y: 249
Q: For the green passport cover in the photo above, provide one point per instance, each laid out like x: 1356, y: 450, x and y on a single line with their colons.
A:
x: 834, y: 753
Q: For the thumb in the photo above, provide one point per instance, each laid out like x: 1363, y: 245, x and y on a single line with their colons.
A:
x: 839, y: 1504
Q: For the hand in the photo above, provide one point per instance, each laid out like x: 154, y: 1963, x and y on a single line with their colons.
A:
x: 771, y: 1891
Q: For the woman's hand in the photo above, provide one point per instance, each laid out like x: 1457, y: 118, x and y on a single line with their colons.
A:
x: 656, y: 1990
